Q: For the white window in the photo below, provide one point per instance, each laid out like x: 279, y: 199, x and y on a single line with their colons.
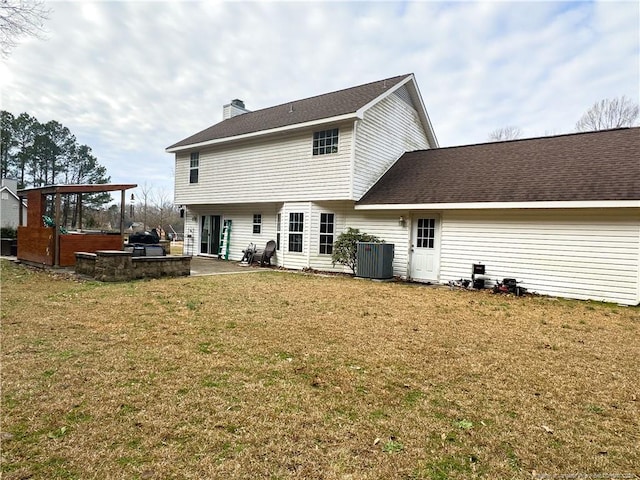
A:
x: 194, y: 167
x: 296, y: 227
x: 257, y: 223
x: 326, y: 233
x: 325, y: 142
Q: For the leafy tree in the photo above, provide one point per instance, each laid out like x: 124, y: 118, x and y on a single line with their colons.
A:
x: 505, y: 133
x: 40, y: 154
x: 6, y: 141
x: 609, y: 113
x: 53, y: 147
x: 24, y: 130
x: 81, y: 167
x: 345, y: 247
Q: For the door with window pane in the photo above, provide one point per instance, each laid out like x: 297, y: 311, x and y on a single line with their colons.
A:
x: 209, y: 234
x: 425, y: 251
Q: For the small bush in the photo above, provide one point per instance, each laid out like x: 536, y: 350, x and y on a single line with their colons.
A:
x: 345, y: 247
x: 8, y: 232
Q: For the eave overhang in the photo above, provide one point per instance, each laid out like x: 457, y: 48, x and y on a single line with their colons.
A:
x: 263, y: 133
x: 503, y: 205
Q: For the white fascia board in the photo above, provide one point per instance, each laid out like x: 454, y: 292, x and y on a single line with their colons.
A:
x: 431, y: 133
x: 7, y: 189
x: 424, y: 116
x: 22, y: 201
x: 297, y: 126
x: 382, y: 96
x: 503, y: 205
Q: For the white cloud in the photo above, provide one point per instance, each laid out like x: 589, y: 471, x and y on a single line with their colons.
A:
x: 130, y: 78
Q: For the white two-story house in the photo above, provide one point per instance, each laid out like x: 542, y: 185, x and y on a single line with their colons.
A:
x: 560, y: 214
x: 292, y: 173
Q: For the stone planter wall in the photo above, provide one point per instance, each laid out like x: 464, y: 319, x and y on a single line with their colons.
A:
x: 118, y: 266
x: 155, y: 267
x: 85, y: 263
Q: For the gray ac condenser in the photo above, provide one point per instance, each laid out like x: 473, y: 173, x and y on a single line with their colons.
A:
x: 374, y: 260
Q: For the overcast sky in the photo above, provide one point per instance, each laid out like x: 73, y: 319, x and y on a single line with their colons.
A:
x: 130, y: 78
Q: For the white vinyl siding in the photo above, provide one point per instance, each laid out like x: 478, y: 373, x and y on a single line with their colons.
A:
x: 191, y: 243
x: 388, y: 129
x: 385, y: 226
x: 10, y: 213
x: 241, y: 227
x: 584, y: 254
x: 275, y: 169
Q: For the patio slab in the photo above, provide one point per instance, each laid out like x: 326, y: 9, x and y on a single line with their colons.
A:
x: 214, y: 266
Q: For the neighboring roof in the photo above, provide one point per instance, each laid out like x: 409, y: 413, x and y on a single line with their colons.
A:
x: 329, y: 105
x: 5, y: 188
x: 80, y: 188
x: 593, y: 166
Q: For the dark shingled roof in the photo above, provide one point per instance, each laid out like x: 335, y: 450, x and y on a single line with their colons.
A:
x: 309, y: 109
x: 602, y: 165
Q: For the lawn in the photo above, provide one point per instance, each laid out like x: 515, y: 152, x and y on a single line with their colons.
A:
x: 277, y: 375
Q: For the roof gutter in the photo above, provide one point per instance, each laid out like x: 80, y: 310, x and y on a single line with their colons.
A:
x: 262, y: 133
x: 504, y: 205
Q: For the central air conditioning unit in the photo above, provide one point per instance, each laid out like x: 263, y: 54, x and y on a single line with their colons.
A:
x: 374, y: 260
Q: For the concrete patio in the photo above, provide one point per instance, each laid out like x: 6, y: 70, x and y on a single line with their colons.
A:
x: 213, y: 266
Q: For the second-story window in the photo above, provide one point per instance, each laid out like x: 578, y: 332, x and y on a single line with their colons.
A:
x: 325, y: 142
x: 257, y: 222
x: 194, y: 167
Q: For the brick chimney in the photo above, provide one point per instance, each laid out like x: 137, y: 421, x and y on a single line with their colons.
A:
x: 236, y: 107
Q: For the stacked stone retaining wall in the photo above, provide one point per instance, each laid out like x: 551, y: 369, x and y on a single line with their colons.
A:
x: 118, y: 266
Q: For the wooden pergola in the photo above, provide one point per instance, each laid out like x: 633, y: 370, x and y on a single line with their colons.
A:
x: 46, y: 245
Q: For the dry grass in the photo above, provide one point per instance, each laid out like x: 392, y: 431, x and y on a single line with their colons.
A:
x: 281, y: 375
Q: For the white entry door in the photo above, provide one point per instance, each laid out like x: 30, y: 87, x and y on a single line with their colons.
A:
x: 425, y: 251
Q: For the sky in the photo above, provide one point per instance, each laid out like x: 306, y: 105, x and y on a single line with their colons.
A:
x: 130, y: 78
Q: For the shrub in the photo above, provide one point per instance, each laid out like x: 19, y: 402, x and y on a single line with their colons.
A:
x: 8, y: 232
x: 345, y: 247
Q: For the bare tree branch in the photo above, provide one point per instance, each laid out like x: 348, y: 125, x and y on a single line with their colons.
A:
x: 609, y: 113
x: 21, y: 18
x: 505, y: 133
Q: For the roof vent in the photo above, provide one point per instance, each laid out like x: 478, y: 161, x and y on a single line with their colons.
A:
x: 236, y: 107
